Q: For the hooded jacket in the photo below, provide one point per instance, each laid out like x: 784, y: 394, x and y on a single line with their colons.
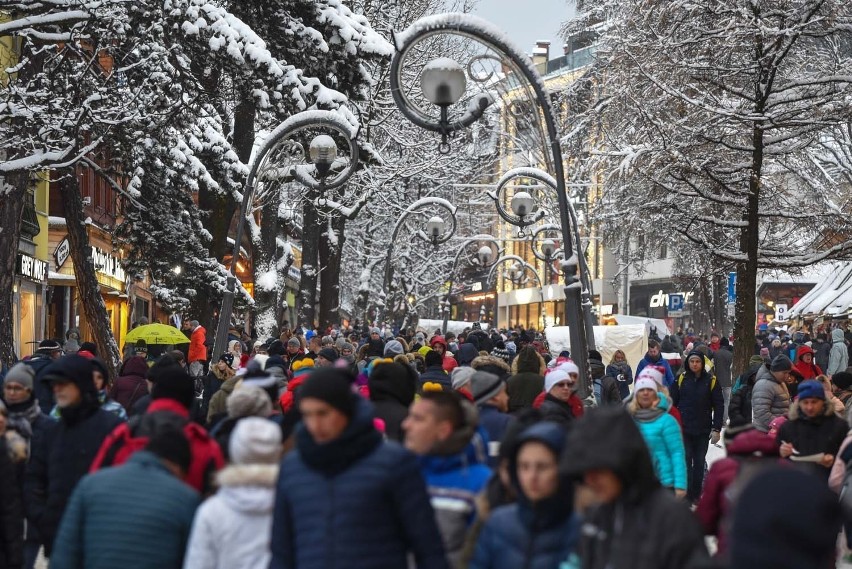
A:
x: 715, y: 505
x: 353, y: 502
x: 450, y: 362
x: 435, y: 374
x: 646, y: 527
x: 770, y: 398
x: 807, y: 371
x: 233, y: 528
x: 838, y: 358
x: 813, y: 435
x: 537, y: 535
x: 700, y: 402
x: 467, y: 353
x: 392, y: 389
x: 663, y: 437
x: 131, y: 386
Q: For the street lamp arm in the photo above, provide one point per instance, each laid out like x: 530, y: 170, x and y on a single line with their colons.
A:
x: 518, y: 260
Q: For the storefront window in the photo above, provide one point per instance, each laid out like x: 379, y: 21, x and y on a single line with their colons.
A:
x: 28, y: 322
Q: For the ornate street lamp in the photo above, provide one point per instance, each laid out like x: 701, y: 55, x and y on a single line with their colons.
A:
x: 518, y: 69
x: 484, y: 255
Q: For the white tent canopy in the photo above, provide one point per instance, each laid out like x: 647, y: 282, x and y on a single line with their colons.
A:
x: 631, y: 339
x: 830, y: 297
x: 660, y: 325
x: 454, y: 326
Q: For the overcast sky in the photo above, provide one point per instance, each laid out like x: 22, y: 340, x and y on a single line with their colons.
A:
x: 526, y: 21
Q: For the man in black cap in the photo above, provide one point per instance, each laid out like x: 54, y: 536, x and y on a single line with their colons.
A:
x: 344, y: 474
x: 48, y: 352
x: 326, y: 357
x: 770, y: 397
x: 63, y: 455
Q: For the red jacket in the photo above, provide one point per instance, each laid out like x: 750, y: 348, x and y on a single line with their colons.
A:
x: 197, y: 346
x: 807, y: 371
x: 714, y: 506
x: 206, y: 454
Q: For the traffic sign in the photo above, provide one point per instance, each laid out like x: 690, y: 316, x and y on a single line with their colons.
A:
x: 675, y: 306
x: 732, y: 288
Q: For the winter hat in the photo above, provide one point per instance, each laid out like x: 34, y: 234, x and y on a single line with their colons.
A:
x: 72, y: 369
x: 781, y: 363
x: 333, y: 386
x: 141, y: 347
x: 393, y: 348
x: 568, y: 366
x: 502, y: 353
x: 843, y: 379
x: 645, y: 382
x: 24, y: 375
x: 47, y: 346
x: 172, y: 382
x: 695, y: 354
x: 484, y: 386
x: 653, y: 373
x: 228, y: 358
x: 255, y: 441
x: 376, y: 331
x: 433, y: 358
x: 556, y: 376
x: 595, y: 355
x: 764, y: 534
x: 294, y: 342
x: 302, y: 367
x: 811, y: 389
x: 329, y: 354
x: 249, y: 401
x: 755, y: 360
x: 460, y: 376
x: 89, y: 347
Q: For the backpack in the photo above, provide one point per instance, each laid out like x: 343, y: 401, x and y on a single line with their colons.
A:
x: 712, y: 381
x: 125, y: 441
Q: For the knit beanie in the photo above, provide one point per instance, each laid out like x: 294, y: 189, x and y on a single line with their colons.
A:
x: 302, y: 367
x: 255, y: 441
x: 651, y: 372
x: 333, y: 386
x: 22, y: 374
x: 249, y: 401
x: 645, y: 382
x: 842, y: 380
x: 781, y: 363
x: 461, y: 376
x: 433, y: 358
x: 811, y: 389
x: 393, y: 348
x: 502, y: 353
x: 484, y: 386
x: 555, y: 376
x: 228, y: 358
x: 329, y: 354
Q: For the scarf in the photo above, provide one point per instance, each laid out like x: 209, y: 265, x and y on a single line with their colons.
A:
x: 648, y: 415
x: 358, y: 439
x: 22, y: 415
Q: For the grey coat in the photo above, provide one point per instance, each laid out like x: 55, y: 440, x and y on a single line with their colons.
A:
x: 722, y: 361
x: 770, y: 398
x: 838, y: 358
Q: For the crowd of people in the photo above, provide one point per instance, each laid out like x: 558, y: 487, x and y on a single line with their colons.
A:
x: 370, y: 449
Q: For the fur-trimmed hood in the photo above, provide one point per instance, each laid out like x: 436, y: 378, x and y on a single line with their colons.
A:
x: 248, y: 488
x: 795, y: 411
x: 542, y: 365
x: 481, y: 362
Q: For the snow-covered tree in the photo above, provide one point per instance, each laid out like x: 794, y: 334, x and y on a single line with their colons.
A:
x: 711, y: 120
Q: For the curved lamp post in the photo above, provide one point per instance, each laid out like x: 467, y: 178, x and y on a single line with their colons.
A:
x: 518, y: 268
x: 484, y: 255
x: 320, y: 170
x: 436, y: 232
x: 446, y: 79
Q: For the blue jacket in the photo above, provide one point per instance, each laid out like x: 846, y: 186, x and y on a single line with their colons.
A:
x: 367, y: 510
x: 57, y: 463
x: 701, y: 406
x: 665, y: 442
x: 662, y: 362
x: 435, y: 374
x: 495, y: 424
x: 42, y: 390
x: 135, y: 516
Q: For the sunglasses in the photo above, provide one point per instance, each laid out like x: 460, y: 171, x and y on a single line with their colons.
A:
x: 565, y: 384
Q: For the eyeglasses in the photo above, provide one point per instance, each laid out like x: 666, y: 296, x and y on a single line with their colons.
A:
x: 13, y: 388
x: 564, y: 385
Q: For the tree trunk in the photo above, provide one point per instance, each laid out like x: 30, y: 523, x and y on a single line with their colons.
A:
x: 311, y: 231
x: 747, y: 270
x: 265, y: 256
x: 11, y: 208
x: 84, y: 270
x: 330, y: 257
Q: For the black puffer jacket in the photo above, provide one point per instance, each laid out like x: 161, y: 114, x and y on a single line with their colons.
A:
x: 11, y: 513
x: 646, y: 527
x: 392, y: 388
x: 821, y: 434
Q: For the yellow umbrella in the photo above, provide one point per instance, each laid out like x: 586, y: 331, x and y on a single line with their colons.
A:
x: 156, y: 334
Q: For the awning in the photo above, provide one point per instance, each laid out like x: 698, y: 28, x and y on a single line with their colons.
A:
x: 830, y: 298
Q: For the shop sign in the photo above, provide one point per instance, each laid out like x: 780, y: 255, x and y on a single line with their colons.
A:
x: 31, y: 268
x: 661, y: 299
x: 106, y: 264
x: 294, y: 273
x: 63, y: 251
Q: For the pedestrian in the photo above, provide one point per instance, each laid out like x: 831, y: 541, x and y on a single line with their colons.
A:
x: 222, y: 383
x: 698, y: 397
x: 48, y: 352
x: 822, y: 351
x: 560, y: 403
x: 838, y: 358
x: 392, y: 389
x: 135, y: 516
x: 528, y: 379
x: 130, y: 385
x: 748, y: 452
x: 654, y: 357
x: 345, y: 498
x: 619, y: 369
x: 771, y: 397
x: 805, y: 363
x: 739, y: 410
x: 11, y: 511
x: 197, y: 355
x: 723, y: 360
x: 605, y: 386
x: 842, y: 383
x: 541, y: 530
x: 171, y: 399
x: 326, y: 357
x: 785, y: 519
x: 813, y: 434
x: 439, y: 427
x: 434, y: 372
x: 492, y: 402
x: 233, y: 528
x: 62, y: 457
x: 649, y: 407
x: 635, y: 523
x: 439, y: 345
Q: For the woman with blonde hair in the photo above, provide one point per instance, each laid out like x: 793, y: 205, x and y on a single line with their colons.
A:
x: 619, y: 369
